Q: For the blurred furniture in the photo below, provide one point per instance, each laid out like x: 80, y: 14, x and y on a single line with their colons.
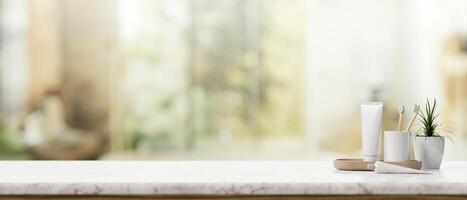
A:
x: 71, y: 145
x: 49, y: 137
x: 453, y: 70
x: 75, y: 59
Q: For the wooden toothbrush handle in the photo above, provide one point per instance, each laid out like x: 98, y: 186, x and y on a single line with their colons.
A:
x: 399, y: 126
x: 411, y: 122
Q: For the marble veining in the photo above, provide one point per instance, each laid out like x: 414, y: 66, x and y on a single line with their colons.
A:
x: 218, y: 178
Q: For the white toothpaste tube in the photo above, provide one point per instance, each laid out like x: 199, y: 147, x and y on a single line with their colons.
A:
x: 371, y: 120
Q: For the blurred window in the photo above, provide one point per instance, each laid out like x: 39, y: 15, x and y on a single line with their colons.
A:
x: 207, y: 73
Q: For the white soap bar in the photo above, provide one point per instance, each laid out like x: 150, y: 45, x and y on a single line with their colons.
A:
x: 386, y: 168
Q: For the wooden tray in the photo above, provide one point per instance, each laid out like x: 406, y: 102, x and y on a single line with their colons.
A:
x: 360, y: 165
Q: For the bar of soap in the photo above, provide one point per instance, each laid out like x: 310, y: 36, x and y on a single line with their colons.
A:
x: 387, y: 168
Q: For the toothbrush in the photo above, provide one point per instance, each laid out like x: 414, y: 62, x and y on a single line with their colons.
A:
x: 416, y: 109
x: 401, y: 117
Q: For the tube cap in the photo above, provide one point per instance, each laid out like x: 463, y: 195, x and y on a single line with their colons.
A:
x: 370, y: 158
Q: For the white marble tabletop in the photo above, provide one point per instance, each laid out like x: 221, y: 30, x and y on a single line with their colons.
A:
x: 217, y: 178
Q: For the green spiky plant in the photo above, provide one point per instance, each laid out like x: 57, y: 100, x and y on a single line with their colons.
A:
x: 430, y: 127
x: 428, y: 120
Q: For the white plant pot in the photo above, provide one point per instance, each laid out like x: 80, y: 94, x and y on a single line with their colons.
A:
x: 430, y: 151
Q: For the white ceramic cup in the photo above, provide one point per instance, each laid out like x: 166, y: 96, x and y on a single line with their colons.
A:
x: 396, y: 146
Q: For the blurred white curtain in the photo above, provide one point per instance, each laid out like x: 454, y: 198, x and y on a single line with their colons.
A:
x: 13, y: 58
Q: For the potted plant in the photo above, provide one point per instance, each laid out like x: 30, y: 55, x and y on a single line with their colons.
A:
x: 429, y: 141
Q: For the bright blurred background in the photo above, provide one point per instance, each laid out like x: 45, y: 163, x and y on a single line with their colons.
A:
x: 222, y: 79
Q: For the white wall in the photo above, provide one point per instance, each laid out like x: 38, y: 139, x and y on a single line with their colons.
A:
x: 354, y: 46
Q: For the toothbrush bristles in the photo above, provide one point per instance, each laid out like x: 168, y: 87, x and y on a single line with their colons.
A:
x: 416, y: 108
